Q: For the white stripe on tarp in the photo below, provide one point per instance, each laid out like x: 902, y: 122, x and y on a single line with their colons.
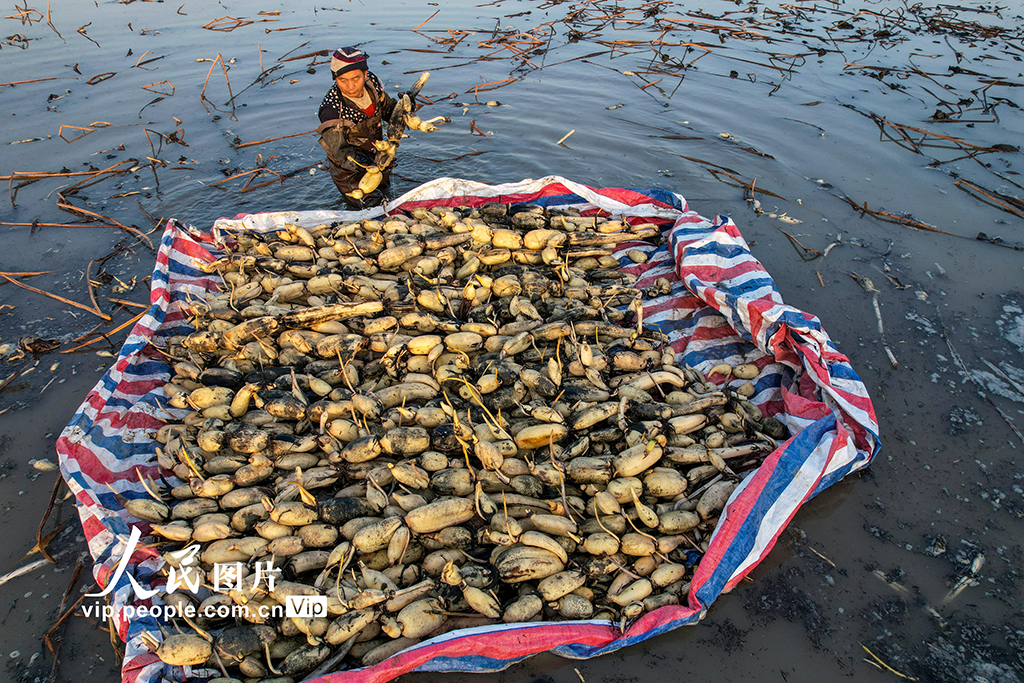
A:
x: 804, y: 481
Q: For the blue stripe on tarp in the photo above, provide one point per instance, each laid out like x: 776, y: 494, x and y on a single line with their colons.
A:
x: 78, y: 478
x: 797, y: 321
x: 722, y: 250
x: 789, y: 463
x: 716, y: 352
x: 856, y: 463
x: 110, y: 501
x: 802, y: 321
x: 554, y: 200
x: 131, y: 346
x: 686, y: 230
x: 115, y: 445
x: 771, y: 378
x: 663, y: 326
x: 690, y: 324
x: 177, y: 268
x: 843, y: 371
x: 583, y: 651
x: 118, y: 402
x: 740, y: 288
x: 151, y: 367
x: 662, y: 196
x: 467, y: 664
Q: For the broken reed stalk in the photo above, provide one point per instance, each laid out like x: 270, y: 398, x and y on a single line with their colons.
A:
x: 74, y: 579
x: 521, y: 54
x: 106, y: 335
x: 24, y: 175
x: 31, y: 80
x: 294, y: 58
x: 62, y: 203
x: 248, y: 182
x: 108, y: 169
x: 21, y: 571
x: 202, y: 95
x: 28, y: 274
x: 796, y: 243
x: 473, y: 127
x: 425, y: 21
x: 46, y: 516
x: 960, y: 184
x: 949, y: 138
x: 94, y: 311
x: 893, y: 218
x: 483, y: 86
x: 456, y: 158
x: 281, y: 177
x: 48, y: 637
x: 881, y: 331
x: 125, y: 302
x: 224, y: 24
x: 31, y: 177
x: 57, y: 225
x: 237, y: 175
x: 156, y: 221
x: 89, y: 285
x: 884, y: 665
x: 83, y: 336
x: 260, y: 142
x: 721, y: 171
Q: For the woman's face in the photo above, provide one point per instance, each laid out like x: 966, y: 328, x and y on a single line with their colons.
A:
x: 351, y: 83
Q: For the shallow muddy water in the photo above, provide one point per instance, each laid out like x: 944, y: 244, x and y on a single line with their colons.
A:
x: 824, y: 109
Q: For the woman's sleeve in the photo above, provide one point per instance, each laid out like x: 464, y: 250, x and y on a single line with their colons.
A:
x: 334, y: 140
x: 387, y: 105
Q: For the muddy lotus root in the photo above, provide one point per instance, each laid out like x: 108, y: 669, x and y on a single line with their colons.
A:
x: 437, y: 420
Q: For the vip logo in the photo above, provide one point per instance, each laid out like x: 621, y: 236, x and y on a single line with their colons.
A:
x: 305, y: 606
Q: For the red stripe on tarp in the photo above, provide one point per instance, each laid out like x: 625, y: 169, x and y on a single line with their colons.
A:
x: 192, y: 249
x: 134, y: 666
x: 92, y: 526
x: 772, y: 408
x: 92, y: 466
x: 738, y: 511
x: 555, y: 189
x: 837, y: 445
x: 126, y: 418
x: 661, y: 616
x: 708, y: 333
x: 805, y: 408
x: 511, y: 644
x: 683, y: 305
x: 712, y: 273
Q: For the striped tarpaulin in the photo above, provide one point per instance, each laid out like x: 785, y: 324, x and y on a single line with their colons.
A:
x: 723, y: 306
